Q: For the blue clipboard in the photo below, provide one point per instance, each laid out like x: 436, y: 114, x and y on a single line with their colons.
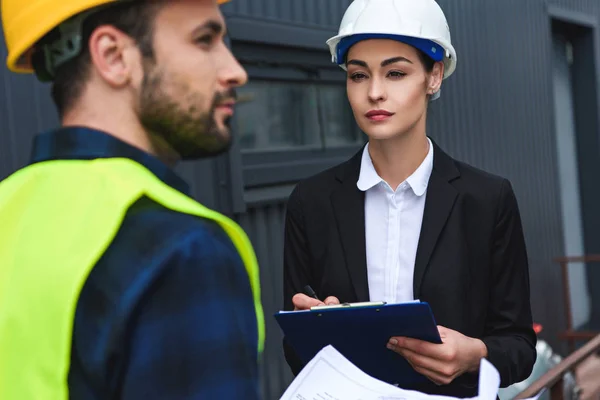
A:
x: 360, y: 332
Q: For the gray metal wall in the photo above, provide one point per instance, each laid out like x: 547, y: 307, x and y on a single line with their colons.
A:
x: 496, y: 112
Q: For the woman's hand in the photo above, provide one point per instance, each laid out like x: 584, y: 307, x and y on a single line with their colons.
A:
x: 303, y: 302
x: 441, y: 363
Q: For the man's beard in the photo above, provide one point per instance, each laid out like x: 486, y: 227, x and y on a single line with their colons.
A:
x: 190, y: 132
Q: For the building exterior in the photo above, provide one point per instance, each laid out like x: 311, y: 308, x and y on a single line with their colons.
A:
x: 523, y: 103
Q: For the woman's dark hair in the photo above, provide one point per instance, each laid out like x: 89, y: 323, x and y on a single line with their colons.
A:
x: 135, y: 18
x: 427, y: 61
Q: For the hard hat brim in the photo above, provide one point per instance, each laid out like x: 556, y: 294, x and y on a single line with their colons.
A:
x: 432, y: 49
x: 448, y: 54
x: 22, y: 33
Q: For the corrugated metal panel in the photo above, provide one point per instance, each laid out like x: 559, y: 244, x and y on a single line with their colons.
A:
x: 591, y: 7
x: 324, y: 13
x: 496, y: 113
x: 265, y: 229
x: 25, y: 109
x: 202, y: 179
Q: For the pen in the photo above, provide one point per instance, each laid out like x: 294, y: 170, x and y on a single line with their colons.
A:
x: 310, y: 292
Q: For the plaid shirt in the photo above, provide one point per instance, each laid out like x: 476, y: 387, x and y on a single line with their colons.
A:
x: 167, y: 312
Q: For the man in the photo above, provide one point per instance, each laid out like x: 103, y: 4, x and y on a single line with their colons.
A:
x: 114, y: 282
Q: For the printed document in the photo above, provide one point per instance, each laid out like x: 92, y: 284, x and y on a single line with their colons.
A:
x: 330, y: 376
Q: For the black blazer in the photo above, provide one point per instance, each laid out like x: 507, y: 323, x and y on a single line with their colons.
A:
x: 471, y: 263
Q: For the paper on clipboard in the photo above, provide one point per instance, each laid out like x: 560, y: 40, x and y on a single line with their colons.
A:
x: 347, y: 305
x: 329, y: 375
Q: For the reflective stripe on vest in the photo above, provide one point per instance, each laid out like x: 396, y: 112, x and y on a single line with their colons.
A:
x: 56, y: 220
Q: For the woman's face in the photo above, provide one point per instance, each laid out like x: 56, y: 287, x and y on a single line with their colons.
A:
x: 388, y: 87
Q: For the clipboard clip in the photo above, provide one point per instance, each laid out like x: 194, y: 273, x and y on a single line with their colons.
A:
x: 349, y: 305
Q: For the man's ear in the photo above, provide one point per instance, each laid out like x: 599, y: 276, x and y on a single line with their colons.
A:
x: 113, y: 55
x: 435, y: 78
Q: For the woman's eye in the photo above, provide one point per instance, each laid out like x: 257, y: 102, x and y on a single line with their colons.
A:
x: 396, y: 74
x: 357, y: 76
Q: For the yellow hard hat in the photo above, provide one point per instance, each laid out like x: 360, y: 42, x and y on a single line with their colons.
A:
x: 26, y: 21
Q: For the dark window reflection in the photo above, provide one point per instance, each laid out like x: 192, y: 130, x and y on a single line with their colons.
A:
x: 292, y: 115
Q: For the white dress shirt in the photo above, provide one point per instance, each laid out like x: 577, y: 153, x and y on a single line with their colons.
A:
x: 392, y: 228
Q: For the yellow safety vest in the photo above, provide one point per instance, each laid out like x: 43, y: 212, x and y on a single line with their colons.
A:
x: 56, y: 220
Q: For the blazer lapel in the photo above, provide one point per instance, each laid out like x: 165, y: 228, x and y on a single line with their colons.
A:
x: 441, y: 196
x: 349, y: 210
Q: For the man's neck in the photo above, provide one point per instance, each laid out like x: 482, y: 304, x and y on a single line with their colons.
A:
x: 121, y: 125
x: 398, y: 158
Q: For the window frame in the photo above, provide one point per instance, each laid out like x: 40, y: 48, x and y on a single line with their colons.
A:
x: 283, y: 53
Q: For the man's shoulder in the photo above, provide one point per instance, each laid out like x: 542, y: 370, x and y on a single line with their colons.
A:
x: 165, y: 227
x: 157, y: 246
x: 154, y: 242
x: 164, y: 275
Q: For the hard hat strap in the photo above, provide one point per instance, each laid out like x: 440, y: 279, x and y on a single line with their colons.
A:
x: 67, y: 46
x: 64, y: 43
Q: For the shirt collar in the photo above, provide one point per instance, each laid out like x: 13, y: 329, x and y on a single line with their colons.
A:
x: 368, y: 176
x: 418, y: 181
x: 79, y: 143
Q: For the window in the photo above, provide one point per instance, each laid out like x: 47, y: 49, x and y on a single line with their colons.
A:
x: 287, y: 115
x: 293, y: 118
x: 338, y: 122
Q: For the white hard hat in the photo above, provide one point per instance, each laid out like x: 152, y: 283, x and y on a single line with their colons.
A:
x: 419, y: 23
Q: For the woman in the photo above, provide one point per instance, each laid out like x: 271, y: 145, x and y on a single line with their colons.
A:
x: 402, y: 220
